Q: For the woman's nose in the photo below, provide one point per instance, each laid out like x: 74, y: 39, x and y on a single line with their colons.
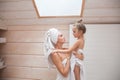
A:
x: 64, y: 38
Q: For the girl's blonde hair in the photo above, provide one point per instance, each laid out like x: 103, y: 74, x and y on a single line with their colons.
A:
x: 80, y: 26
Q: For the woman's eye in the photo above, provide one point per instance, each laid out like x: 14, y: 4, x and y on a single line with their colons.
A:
x: 61, y: 35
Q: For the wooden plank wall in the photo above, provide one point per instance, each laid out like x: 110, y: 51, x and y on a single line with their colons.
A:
x: 23, y: 53
x: 98, y: 11
x: 24, y: 48
x: 24, y: 57
x: 22, y: 12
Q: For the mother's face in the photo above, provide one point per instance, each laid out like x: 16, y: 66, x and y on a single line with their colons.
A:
x: 61, y: 38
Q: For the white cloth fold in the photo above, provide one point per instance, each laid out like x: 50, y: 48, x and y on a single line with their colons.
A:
x: 51, y: 37
x: 59, y: 75
x: 75, y: 61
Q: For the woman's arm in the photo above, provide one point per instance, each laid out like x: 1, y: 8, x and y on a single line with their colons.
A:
x: 58, y: 63
x: 69, y: 50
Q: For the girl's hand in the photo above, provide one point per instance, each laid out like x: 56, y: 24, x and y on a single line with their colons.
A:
x: 75, y: 53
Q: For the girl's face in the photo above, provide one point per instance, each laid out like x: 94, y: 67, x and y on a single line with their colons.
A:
x: 61, y: 38
x: 76, y: 33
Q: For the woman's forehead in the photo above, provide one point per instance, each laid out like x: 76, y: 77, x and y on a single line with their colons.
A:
x: 60, y: 33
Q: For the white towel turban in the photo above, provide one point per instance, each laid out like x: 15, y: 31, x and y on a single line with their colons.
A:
x: 51, y: 37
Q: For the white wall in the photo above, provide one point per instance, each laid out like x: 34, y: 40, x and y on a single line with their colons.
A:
x: 102, y: 50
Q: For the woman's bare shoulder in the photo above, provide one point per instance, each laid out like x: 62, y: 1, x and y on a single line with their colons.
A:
x: 55, y: 57
x: 54, y: 54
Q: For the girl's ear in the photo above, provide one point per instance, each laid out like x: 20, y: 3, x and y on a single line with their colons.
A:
x: 80, y: 31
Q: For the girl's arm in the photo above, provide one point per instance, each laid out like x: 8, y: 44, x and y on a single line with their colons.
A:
x: 58, y: 63
x: 69, y: 50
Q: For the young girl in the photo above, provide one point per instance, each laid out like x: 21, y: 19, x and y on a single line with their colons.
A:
x: 79, y: 30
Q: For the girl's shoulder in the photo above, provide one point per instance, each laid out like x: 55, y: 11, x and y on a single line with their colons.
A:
x: 80, y: 40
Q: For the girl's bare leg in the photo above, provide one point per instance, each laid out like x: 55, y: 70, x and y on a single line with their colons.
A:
x: 77, y: 72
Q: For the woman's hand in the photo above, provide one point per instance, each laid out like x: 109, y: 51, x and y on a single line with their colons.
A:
x: 77, y: 55
x: 64, y: 70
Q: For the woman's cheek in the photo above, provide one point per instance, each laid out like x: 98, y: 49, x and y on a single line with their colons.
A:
x: 63, y: 39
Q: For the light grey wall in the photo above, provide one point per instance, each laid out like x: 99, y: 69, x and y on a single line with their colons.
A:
x: 102, y: 51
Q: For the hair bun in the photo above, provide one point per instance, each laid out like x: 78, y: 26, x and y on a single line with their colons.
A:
x: 79, y: 21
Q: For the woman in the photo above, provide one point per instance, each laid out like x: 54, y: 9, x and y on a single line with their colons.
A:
x: 54, y: 40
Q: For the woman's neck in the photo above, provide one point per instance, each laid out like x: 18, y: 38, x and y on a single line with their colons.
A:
x: 58, y: 46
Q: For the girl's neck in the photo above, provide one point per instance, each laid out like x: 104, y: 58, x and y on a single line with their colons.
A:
x: 80, y: 37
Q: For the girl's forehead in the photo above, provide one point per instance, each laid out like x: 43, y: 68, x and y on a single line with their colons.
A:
x: 74, y: 28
